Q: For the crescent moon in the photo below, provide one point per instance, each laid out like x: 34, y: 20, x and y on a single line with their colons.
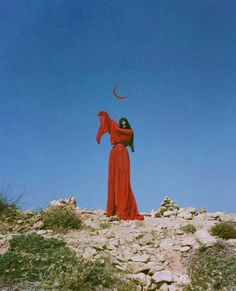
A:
x: 116, y: 95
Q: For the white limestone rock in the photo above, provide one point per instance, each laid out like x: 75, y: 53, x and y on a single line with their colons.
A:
x: 185, y: 213
x: 181, y: 279
x: 164, y: 287
x: 173, y: 287
x: 166, y: 244
x: 215, y: 216
x: 232, y: 242
x: 4, y: 250
x: 69, y: 202
x: 156, y: 268
x: 141, y: 277
x: 3, y: 240
x: 202, y: 210
x: 38, y: 225
x: 179, y: 231
x: 185, y: 249
x: 141, y: 258
x: 99, y: 243
x: 89, y: 253
x: 162, y: 276
x: 138, y: 267
x: 188, y: 241
x: 146, y: 239
x: 41, y: 232
x: 204, y: 237
x: 169, y: 213
x: 149, y: 281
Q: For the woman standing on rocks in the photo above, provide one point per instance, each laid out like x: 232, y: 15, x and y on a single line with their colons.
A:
x: 120, y: 197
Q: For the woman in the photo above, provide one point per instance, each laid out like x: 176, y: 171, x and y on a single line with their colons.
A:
x: 120, y: 200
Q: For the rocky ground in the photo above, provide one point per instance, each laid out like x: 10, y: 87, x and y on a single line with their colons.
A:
x: 155, y: 251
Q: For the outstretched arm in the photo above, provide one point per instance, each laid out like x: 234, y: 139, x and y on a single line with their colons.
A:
x: 105, y: 124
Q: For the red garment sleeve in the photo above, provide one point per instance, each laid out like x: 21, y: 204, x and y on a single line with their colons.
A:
x: 105, y: 125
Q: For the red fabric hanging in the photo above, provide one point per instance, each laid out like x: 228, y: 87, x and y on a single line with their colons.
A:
x: 120, y: 197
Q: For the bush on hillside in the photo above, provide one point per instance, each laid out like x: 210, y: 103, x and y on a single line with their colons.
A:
x: 60, y: 219
x: 212, y: 268
x: 224, y: 229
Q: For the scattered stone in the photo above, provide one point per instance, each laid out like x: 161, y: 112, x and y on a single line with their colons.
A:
x: 89, y: 253
x: 185, y: 249
x: 168, y: 213
x: 38, y: 225
x: 186, y: 213
x: 69, y: 202
x: 204, y: 237
x: 179, y: 231
x: 3, y: 250
x: 156, y: 268
x: 173, y: 287
x: 146, y: 239
x: 141, y: 277
x: 166, y: 244
x: 138, y: 267
x: 41, y: 232
x: 140, y: 258
x: 215, y: 216
x: 188, y: 241
x: 202, y: 210
x: 162, y: 276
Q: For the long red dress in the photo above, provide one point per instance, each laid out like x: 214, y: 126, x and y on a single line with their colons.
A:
x: 120, y: 197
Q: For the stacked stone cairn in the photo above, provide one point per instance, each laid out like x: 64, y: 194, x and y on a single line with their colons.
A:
x: 169, y: 208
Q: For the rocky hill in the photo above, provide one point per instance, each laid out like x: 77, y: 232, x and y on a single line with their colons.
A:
x: 155, y: 252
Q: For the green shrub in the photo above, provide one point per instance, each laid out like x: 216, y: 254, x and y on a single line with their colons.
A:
x: 35, y: 261
x: 96, y: 276
x: 87, y: 274
x: 8, y: 209
x: 60, y: 219
x: 33, y: 258
x: 188, y: 228
x: 212, y: 268
x: 224, y: 229
x: 33, y: 243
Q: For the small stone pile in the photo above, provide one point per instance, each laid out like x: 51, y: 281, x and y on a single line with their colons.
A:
x: 169, y: 208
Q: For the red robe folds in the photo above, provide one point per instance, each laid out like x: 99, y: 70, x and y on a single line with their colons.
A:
x: 120, y: 198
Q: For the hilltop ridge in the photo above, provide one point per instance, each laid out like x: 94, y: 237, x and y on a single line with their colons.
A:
x: 155, y: 252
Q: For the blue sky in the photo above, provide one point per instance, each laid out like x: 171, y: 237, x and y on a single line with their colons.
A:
x: 59, y: 61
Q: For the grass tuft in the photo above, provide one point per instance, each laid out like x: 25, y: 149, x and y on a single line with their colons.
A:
x: 212, y: 268
x: 8, y: 209
x: 188, y: 228
x: 224, y: 229
x: 61, y: 219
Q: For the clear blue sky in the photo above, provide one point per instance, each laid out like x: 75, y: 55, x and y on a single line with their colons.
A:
x: 59, y: 61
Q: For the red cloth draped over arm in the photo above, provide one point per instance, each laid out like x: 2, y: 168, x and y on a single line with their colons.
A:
x: 105, y: 125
